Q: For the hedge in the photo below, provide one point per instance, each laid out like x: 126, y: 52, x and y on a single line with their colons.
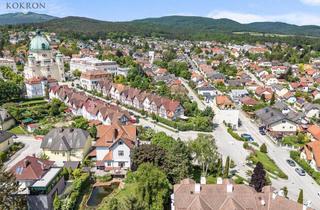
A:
x: 235, y: 135
x: 78, y: 185
x: 181, y: 125
x: 295, y: 155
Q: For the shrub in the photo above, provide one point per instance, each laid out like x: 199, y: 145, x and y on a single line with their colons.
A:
x: 263, y: 148
x: 246, y: 145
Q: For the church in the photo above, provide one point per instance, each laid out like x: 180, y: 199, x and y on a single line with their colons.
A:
x: 44, y: 67
x: 42, y: 63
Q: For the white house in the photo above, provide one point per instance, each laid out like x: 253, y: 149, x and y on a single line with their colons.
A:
x: 114, y: 145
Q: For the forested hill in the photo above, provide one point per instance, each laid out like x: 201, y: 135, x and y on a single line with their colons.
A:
x: 173, y: 26
x: 23, y: 18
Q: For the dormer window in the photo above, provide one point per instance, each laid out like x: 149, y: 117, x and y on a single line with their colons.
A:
x: 120, y: 142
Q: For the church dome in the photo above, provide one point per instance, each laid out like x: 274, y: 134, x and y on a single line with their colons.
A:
x: 39, y: 43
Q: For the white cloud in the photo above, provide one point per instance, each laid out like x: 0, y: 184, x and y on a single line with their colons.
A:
x: 311, y: 2
x: 293, y: 18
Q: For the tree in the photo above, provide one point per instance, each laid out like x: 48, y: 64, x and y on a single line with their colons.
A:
x: 80, y: 122
x: 285, y: 191
x: 113, y: 204
x: 226, y: 168
x: 273, y: 99
x: 9, y: 198
x: 205, y: 151
x: 300, y: 197
x: 56, y: 202
x: 133, y: 203
x: 147, y: 153
x: 258, y: 178
x: 263, y: 148
x: 43, y: 156
x: 76, y: 73
x: 93, y: 131
x: 152, y: 186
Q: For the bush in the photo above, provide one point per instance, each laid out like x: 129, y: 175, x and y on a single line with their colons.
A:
x: 263, y: 148
x: 104, y: 178
x: 3, y: 156
x: 246, y: 145
x: 239, y: 180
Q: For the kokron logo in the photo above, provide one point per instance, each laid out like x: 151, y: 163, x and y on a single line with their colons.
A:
x: 25, y: 5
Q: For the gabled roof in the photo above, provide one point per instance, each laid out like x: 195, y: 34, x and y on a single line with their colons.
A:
x: 65, y: 139
x: 31, y: 168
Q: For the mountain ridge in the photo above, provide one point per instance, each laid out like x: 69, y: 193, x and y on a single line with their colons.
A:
x: 184, y: 26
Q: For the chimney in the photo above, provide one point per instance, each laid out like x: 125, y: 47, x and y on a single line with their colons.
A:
x: 274, y: 195
x: 203, y: 180
x: 197, y: 188
x: 26, y: 163
x: 263, y: 202
x: 219, y: 180
x: 229, y: 188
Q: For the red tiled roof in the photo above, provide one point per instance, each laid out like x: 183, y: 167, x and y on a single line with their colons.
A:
x: 31, y: 168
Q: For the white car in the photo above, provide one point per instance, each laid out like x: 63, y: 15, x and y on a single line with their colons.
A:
x: 318, y: 194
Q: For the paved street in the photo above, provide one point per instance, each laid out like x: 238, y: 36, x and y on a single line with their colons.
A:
x: 280, y: 155
x: 32, y: 146
x: 192, y: 95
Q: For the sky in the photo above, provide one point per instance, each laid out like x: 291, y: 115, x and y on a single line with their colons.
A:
x: 299, y: 12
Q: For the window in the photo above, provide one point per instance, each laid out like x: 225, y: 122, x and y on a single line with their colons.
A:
x: 120, y: 143
x: 109, y: 163
x: 120, y: 153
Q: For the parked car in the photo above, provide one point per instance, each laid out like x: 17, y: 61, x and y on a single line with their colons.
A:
x: 318, y: 194
x: 262, y: 130
x: 247, y: 137
x: 300, y: 171
x: 291, y: 162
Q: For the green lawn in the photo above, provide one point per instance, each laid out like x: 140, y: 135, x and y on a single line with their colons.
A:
x: 268, y: 164
x: 32, y: 103
x: 18, y: 130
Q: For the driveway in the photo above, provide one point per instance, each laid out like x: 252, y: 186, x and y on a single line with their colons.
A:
x: 32, y: 146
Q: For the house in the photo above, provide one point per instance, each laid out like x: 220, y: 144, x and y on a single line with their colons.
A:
x: 223, y: 102
x: 314, y: 132
x: 311, y: 153
x: 90, y: 79
x: 236, y: 94
x: 66, y: 144
x: 114, y: 145
x: 40, y: 180
x: 279, y: 90
x: 311, y: 110
x: 6, y: 120
x: 5, y: 140
x: 266, y: 91
x: 38, y: 86
x: 278, y: 122
x: 208, y: 92
x: 189, y: 195
x: 248, y: 101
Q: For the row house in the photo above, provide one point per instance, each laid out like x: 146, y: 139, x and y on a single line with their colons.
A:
x: 142, y: 100
x: 90, y: 108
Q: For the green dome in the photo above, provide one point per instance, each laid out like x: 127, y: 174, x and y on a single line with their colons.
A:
x: 39, y: 43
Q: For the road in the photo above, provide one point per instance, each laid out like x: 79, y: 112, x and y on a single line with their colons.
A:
x: 192, y: 95
x: 280, y: 155
x: 32, y: 146
x: 253, y: 77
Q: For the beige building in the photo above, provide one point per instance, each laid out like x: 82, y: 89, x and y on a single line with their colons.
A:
x: 6, y: 121
x: 5, y: 140
x: 66, y: 144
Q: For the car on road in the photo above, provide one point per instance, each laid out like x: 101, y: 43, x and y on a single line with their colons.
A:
x: 247, y: 137
x: 318, y: 194
x: 262, y: 130
x: 291, y: 162
x: 300, y: 171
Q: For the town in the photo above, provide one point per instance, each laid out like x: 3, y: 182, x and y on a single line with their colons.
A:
x: 148, y: 122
